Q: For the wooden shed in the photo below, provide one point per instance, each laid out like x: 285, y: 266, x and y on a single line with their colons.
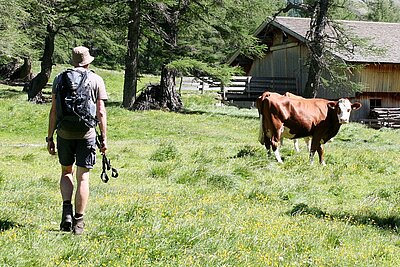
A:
x: 287, y: 55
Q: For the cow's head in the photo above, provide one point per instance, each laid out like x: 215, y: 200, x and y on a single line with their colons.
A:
x: 343, y: 109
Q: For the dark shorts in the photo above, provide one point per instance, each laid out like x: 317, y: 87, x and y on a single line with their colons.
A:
x: 82, y: 152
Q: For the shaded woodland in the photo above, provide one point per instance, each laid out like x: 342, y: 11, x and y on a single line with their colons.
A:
x: 167, y: 38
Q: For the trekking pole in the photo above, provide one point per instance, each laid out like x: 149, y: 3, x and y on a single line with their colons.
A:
x: 106, y: 164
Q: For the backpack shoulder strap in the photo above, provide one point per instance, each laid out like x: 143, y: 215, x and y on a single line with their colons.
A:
x: 62, y: 76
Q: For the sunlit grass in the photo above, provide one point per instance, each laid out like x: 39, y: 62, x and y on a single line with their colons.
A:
x: 196, y: 189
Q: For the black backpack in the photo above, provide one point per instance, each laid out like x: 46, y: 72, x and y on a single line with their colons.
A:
x: 76, y: 110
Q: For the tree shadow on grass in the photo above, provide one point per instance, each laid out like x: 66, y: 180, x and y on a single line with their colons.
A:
x: 7, y: 224
x: 117, y: 104
x: 201, y: 112
x: 388, y: 223
x: 10, y: 93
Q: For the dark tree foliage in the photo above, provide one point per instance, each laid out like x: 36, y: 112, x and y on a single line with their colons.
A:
x: 187, y: 33
x: 55, y: 16
x: 384, y: 10
x: 175, y: 37
x: 163, y: 19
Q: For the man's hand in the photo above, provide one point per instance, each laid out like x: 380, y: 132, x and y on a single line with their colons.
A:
x: 104, y: 146
x: 51, y: 147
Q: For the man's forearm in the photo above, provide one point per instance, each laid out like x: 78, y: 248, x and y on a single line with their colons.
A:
x: 52, y: 120
x: 102, y: 117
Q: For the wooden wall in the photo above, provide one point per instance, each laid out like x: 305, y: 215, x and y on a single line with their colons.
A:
x: 287, y: 57
x: 388, y: 100
x: 382, y: 83
x: 380, y: 78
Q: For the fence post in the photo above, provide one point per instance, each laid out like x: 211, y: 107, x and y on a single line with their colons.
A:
x: 248, y: 87
x: 223, y: 93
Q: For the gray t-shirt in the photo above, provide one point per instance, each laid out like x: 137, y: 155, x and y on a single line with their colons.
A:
x: 98, y: 91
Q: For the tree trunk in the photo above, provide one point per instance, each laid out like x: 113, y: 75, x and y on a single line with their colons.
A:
x: 165, y: 96
x: 316, y: 47
x: 23, y: 73
x: 162, y: 96
x: 131, y: 59
x: 39, y: 82
x: 8, y: 70
x: 170, y: 99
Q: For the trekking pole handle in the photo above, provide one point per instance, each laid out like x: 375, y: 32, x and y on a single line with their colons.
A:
x: 99, y: 140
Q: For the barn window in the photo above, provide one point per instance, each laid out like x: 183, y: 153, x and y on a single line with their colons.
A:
x: 375, y: 103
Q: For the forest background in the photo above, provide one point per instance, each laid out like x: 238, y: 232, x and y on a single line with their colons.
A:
x: 200, y: 35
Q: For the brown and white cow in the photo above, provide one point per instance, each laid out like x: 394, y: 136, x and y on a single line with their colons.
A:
x: 307, y: 139
x: 293, y: 118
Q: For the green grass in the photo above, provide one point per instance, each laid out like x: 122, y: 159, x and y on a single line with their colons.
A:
x: 196, y: 189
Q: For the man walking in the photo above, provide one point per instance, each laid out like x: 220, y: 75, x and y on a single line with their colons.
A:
x: 76, y: 134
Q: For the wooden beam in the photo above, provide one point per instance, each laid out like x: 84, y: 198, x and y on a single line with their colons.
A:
x: 283, y: 46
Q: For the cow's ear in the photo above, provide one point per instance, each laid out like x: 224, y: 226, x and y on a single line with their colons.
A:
x: 331, y: 104
x: 356, y: 105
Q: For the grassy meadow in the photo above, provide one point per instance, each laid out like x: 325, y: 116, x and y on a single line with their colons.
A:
x: 197, y: 189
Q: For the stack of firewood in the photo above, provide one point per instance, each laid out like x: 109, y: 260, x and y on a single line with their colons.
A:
x: 384, y: 117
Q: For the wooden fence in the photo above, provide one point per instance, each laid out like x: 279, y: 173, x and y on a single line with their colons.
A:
x: 242, y: 91
x: 247, y: 88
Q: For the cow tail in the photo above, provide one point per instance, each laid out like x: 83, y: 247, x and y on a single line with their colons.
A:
x: 260, y: 106
x: 261, y: 137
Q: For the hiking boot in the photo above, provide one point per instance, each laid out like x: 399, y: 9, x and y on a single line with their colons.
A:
x: 66, y: 219
x: 78, y: 226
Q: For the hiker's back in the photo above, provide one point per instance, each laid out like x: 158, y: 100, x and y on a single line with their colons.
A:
x: 77, y: 91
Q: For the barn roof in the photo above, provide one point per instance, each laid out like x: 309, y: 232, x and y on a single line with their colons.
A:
x: 384, y: 37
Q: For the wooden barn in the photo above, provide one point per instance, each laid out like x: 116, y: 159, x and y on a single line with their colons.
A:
x: 287, y: 54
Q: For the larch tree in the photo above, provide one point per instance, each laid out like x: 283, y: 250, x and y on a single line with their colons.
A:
x: 316, y: 46
x: 14, y: 42
x: 35, y: 86
x: 163, y: 18
x: 132, y: 55
x: 321, y: 45
x: 196, y: 36
x: 55, y: 16
x: 383, y: 10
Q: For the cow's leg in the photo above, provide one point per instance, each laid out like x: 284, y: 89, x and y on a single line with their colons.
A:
x: 321, y: 155
x: 296, y: 145
x: 315, y: 145
x: 263, y: 137
x: 312, y: 156
x: 261, y: 133
x: 276, y: 140
x: 267, y: 144
x: 278, y: 155
x: 275, y: 147
x: 307, y: 140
